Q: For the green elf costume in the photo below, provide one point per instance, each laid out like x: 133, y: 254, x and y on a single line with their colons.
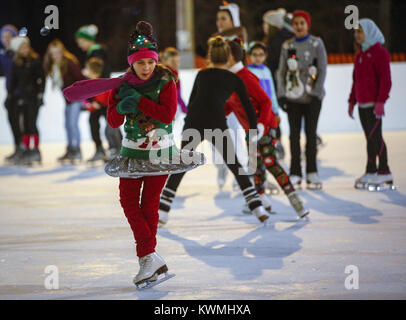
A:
x: 148, y: 152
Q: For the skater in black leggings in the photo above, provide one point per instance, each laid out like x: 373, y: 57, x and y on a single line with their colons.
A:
x: 210, y: 92
x: 301, y: 76
x: 376, y: 146
x: 25, y: 97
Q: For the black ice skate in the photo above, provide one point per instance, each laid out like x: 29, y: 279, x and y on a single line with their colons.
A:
x: 75, y: 156
x: 12, y: 158
x: 30, y: 157
x: 100, y: 155
x: 65, y: 157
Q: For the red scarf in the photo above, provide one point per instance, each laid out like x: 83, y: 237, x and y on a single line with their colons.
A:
x: 85, y: 89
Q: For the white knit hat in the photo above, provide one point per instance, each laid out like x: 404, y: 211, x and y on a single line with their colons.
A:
x: 235, y: 12
x: 16, y: 42
x: 275, y: 17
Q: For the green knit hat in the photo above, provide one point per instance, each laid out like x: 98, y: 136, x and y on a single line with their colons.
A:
x: 88, y: 32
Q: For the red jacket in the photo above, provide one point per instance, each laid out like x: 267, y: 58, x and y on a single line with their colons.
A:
x: 73, y: 73
x: 259, y: 100
x: 371, y: 76
x: 164, y: 111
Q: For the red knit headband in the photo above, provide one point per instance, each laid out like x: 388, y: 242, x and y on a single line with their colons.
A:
x: 304, y: 14
x: 142, y: 54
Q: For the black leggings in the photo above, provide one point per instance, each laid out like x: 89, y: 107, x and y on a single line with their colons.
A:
x: 376, y: 146
x: 229, y: 157
x: 30, y: 113
x: 15, y: 113
x: 310, y: 112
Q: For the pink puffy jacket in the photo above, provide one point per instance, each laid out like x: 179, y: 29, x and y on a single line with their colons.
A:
x: 371, y: 76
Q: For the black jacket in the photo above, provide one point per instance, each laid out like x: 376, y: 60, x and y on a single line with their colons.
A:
x: 274, y: 47
x: 27, y: 83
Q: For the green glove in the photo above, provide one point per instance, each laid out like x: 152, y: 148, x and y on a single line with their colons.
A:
x: 129, y: 104
x: 125, y: 91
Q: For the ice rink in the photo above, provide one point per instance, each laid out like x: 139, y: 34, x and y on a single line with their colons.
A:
x: 70, y: 217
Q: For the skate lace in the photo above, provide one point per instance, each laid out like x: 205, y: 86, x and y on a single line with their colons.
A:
x: 146, y: 262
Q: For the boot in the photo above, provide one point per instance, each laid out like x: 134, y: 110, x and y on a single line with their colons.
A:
x: 99, y: 155
x: 75, y: 154
x: 18, y: 151
x: 297, y: 204
x: 151, y: 266
x: 66, y: 155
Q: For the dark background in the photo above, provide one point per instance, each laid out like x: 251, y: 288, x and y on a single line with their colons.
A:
x: 116, y: 19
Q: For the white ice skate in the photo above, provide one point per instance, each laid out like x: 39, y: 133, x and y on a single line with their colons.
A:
x: 313, y: 181
x: 261, y: 213
x: 271, y: 188
x: 297, y: 204
x: 265, y: 202
x: 362, y: 182
x: 381, y: 182
x: 295, y: 180
x: 151, y: 267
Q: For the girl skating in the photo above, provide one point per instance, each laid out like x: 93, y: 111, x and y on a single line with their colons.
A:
x: 211, y: 90
x: 145, y: 99
x: 370, y: 90
x: 25, y: 93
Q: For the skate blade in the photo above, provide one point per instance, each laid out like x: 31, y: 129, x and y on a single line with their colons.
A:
x: 382, y: 187
x: 314, y: 187
x: 304, y: 215
x: 361, y: 186
x: 149, y: 284
x: 31, y: 163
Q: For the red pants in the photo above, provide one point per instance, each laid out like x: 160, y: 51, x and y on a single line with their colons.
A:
x: 142, y: 212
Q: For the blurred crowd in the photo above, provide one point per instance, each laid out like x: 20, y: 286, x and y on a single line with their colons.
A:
x: 289, y: 62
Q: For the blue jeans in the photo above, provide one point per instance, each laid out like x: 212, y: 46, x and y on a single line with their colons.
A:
x: 72, y: 113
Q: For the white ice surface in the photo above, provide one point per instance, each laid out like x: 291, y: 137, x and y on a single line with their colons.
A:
x: 70, y: 217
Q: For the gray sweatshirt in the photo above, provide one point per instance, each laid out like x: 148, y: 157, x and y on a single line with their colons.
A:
x: 306, y: 52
